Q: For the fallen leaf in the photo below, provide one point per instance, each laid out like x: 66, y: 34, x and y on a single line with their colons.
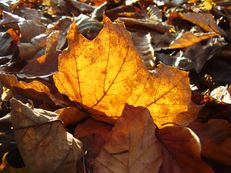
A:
x: 9, y: 19
x: 207, y: 5
x: 71, y: 115
x: 204, y: 20
x: 145, y: 24
x: 94, y: 134
x: 143, y: 45
x: 182, y: 151
x: 28, y: 51
x: 215, y: 137
x: 5, y: 167
x: 188, y: 39
x: 8, y: 50
x: 14, y: 35
x: 41, y: 134
x: 30, y: 29
x: 35, y: 89
x: 46, y: 64
x: 107, y: 72
x: 221, y: 94
x: 193, y: 57
x: 98, y: 2
x: 134, y: 147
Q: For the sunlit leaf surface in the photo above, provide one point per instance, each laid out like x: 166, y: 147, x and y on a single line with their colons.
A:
x: 107, y: 72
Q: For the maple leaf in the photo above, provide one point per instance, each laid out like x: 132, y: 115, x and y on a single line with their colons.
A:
x: 134, y: 147
x: 107, y: 72
x: 40, y: 133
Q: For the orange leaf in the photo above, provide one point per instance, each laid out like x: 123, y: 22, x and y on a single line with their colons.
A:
x: 35, y: 89
x: 107, y: 72
x: 189, y: 39
x: 13, y: 35
x: 134, y: 146
x: 71, y: 115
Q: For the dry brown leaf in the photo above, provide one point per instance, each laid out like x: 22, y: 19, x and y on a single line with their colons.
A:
x: 189, y: 39
x: 43, y: 142
x: 47, y: 63
x: 94, y: 134
x: 182, y: 151
x: 107, y: 72
x: 28, y: 51
x: 204, y: 20
x: 35, y: 89
x: 30, y: 29
x: 135, y: 148
x: 215, y: 137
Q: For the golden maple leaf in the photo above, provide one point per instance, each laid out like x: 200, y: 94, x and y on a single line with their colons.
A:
x: 107, y: 72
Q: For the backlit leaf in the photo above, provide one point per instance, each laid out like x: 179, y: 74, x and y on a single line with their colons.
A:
x: 107, y: 72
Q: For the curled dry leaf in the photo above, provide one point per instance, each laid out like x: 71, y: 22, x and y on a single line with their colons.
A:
x: 215, y: 137
x: 30, y: 29
x: 107, y: 72
x: 8, y: 50
x: 42, y: 140
x: 30, y: 50
x: 134, y: 147
x: 47, y: 63
x: 189, y: 39
x: 35, y: 89
x: 204, y: 20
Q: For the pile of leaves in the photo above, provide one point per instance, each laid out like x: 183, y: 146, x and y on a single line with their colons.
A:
x: 115, y: 86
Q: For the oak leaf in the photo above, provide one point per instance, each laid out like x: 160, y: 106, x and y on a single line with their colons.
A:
x: 107, y: 72
x: 42, y: 140
x: 136, y: 145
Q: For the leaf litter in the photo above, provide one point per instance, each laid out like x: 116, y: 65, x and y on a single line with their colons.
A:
x: 84, y: 61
